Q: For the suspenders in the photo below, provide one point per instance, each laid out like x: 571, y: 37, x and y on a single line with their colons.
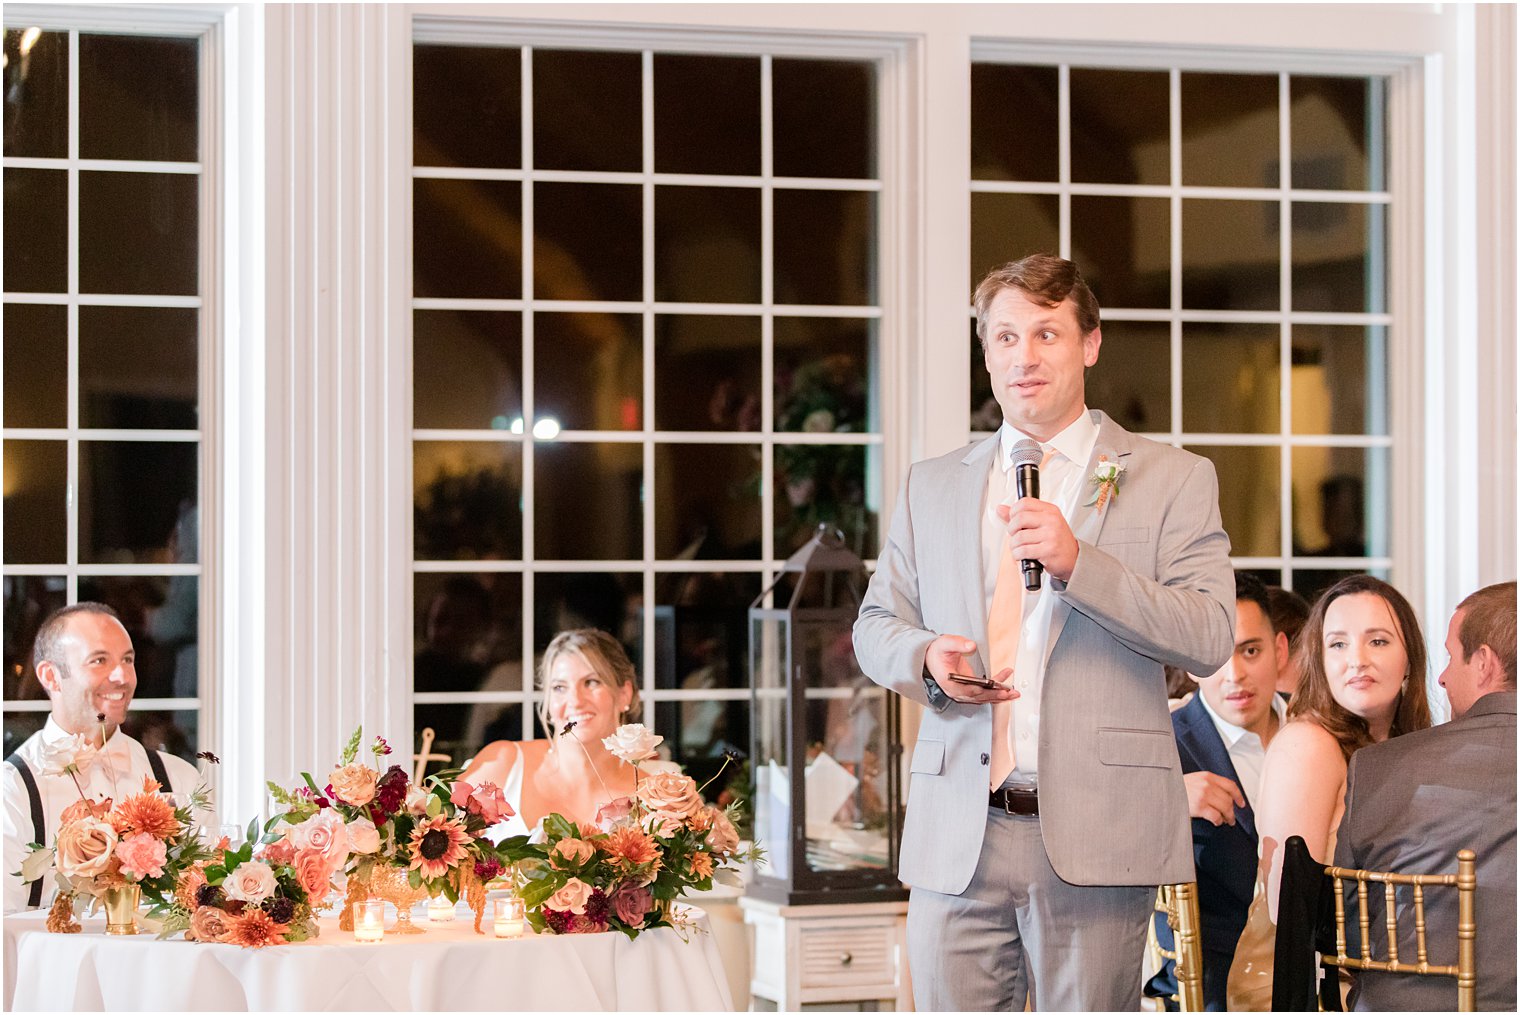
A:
x: 160, y: 775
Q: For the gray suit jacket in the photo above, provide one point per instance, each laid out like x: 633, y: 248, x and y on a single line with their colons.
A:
x: 1411, y: 803
x: 1152, y: 585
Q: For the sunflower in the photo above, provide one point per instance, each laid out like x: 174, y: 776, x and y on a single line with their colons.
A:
x: 438, y: 845
x: 146, y: 812
x: 630, y: 845
x: 254, y: 929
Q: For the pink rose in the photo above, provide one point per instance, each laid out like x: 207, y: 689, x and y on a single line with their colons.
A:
x: 722, y: 837
x: 84, y: 847
x: 671, y: 793
x: 252, y: 882
x: 571, y: 853
x: 459, y: 793
x: 571, y: 898
x: 278, y: 853
x: 354, y: 784
x: 632, y: 904
x: 489, y: 803
x: 323, y: 833
x: 609, y: 814
x: 363, y: 836
x: 315, y: 876
x: 141, y: 856
x: 662, y: 824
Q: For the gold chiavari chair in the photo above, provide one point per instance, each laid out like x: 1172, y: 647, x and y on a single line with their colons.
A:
x: 1180, y: 904
x: 1466, y: 883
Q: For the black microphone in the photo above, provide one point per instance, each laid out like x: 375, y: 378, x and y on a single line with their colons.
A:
x: 1026, y: 481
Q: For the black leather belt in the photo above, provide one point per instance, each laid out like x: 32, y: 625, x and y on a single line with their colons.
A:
x: 1023, y: 800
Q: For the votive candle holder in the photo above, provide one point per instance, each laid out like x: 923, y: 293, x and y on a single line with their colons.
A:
x: 440, y: 910
x: 508, y: 917
x: 369, y: 921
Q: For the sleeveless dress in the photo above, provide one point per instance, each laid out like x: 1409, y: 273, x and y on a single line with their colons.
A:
x: 512, y: 788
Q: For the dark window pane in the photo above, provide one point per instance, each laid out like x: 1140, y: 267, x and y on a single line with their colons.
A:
x: 1014, y: 123
x: 468, y: 638
x: 1124, y: 247
x: 1311, y: 583
x: 1339, y: 261
x: 1120, y: 126
x: 589, y: 501
x: 139, y: 98
x: 986, y: 414
x: 706, y: 372
x: 1231, y: 378
x: 29, y: 600
x: 139, y: 367
x: 170, y: 732
x: 467, y: 238
x: 826, y: 372
x: 35, y: 478
x: 702, y: 636
x: 707, y: 500
x: 1230, y: 253
x: 133, y: 499
x: 1229, y: 130
x: 468, y: 500
x: 706, y: 114
x: 1337, y: 132
x: 836, y: 138
x: 588, y: 110
x: 466, y: 369
x: 1132, y: 380
x: 1340, y: 379
x: 587, y: 241
x: 707, y: 244
x: 36, y: 98
x: 1341, y: 499
x: 589, y: 370
x: 21, y: 725
x: 825, y: 247
x: 823, y: 483
x: 36, y: 365
x: 138, y: 233
x: 36, y: 230
x: 699, y: 732
x: 1006, y: 227
x: 1250, y: 502
x: 160, y: 614
x: 607, y: 601
x: 467, y: 106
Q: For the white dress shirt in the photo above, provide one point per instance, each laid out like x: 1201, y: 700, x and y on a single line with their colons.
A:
x: 1061, y: 483
x: 1244, y: 747
x: 116, y: 773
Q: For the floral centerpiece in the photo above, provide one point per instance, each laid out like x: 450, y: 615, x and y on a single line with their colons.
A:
x: 393, y: 838
x: 114, y: 853
x: 624, y: 871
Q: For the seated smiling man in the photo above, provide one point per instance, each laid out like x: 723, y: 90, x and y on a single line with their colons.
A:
x: 1222, y: 736
x: 83, y: 657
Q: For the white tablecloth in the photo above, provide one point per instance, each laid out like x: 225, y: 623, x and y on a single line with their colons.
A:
x: 448, y: 968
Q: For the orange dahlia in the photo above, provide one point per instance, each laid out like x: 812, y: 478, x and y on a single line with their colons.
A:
x: 701, y: 865
x: 189, y: 883
x: 146, y: 812
x: 254, y: 929
x: 438, y: 845
x: 630, y: 846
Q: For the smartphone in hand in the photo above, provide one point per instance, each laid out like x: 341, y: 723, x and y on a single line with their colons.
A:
x: 984, y: 682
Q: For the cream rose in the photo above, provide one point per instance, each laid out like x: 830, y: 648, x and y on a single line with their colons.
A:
x: 322, y: 833
x: 633, y: 743
x: 363, y: 836
x: 571, y: 853
x: 84, y: 847
x: 354, y: 784
x: 252, y: 881
x: 416, y: 800
x: 571, y: 898
x: 670, y: 793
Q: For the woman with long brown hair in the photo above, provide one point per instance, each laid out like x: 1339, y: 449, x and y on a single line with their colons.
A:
x: 1362, y: 662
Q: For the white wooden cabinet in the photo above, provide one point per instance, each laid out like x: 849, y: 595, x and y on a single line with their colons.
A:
x: 829, y: 954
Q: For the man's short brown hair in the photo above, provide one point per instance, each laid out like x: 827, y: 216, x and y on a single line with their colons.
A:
x: 45, y: 647
x: 1488, y: 618
x: 1042, y: 278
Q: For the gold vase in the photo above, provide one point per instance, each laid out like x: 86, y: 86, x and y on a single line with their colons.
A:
x: 121, y: 909
x: 390, y: 883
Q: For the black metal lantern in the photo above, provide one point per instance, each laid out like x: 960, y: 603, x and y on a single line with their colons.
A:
x: 825, y: 743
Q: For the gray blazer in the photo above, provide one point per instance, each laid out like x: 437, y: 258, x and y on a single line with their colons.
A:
x: 1411, y: 803
x: 1152, y: 585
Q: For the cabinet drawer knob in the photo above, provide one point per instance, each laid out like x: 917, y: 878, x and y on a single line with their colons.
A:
x: 846, y: 958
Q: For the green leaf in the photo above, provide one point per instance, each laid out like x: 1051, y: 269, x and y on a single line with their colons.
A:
x: 434, y: 806
x: 536, y: 919
x: 414, y: 878
x: 557, y: 826
x: 534, y: 895
x: 253, y: 832
x: 352, y: 750
x: 174, y: 922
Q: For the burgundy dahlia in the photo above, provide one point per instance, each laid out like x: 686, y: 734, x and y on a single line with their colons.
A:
x: 559, y: 920
x: 280, y: 909
x: 598, y: 906
x: 208, y: 895
x: 487, y: 869
x: 390, y: 791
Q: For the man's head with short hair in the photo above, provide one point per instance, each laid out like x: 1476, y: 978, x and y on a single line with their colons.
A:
x: 1481, y: 643
x: 1289, y: 612
x: 1242, y: 690
x: 1044, y: 279
x: 84, y: 659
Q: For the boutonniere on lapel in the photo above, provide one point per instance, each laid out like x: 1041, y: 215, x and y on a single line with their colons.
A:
x: 1105, y: 482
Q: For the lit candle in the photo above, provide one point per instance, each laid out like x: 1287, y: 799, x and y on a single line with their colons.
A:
x: 509, y: 917
x: 369, y: 921
x: 440, y: 910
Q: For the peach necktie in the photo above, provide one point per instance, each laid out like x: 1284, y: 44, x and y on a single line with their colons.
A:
x: 1003, y: 621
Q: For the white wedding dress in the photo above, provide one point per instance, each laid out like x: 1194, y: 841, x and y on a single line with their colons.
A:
x: 511, y: 790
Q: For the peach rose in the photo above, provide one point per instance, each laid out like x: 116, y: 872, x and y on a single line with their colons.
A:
x: 354, y: 784
x: 208, y: 924
x: 670, y: 793
x: 324, y: 833
x: 489, y: 803
x: 571, y: 853
x: 315, y: 875
x: 278, y: 852
x: 84, y: 847
x: 363, y: 836
x: 722, y: 837
x: 142, y: 856
x: 252, y: 881
x: 571, y: 898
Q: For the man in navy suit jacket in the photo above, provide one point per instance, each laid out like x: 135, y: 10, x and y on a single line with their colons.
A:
x: 1222, y: 736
